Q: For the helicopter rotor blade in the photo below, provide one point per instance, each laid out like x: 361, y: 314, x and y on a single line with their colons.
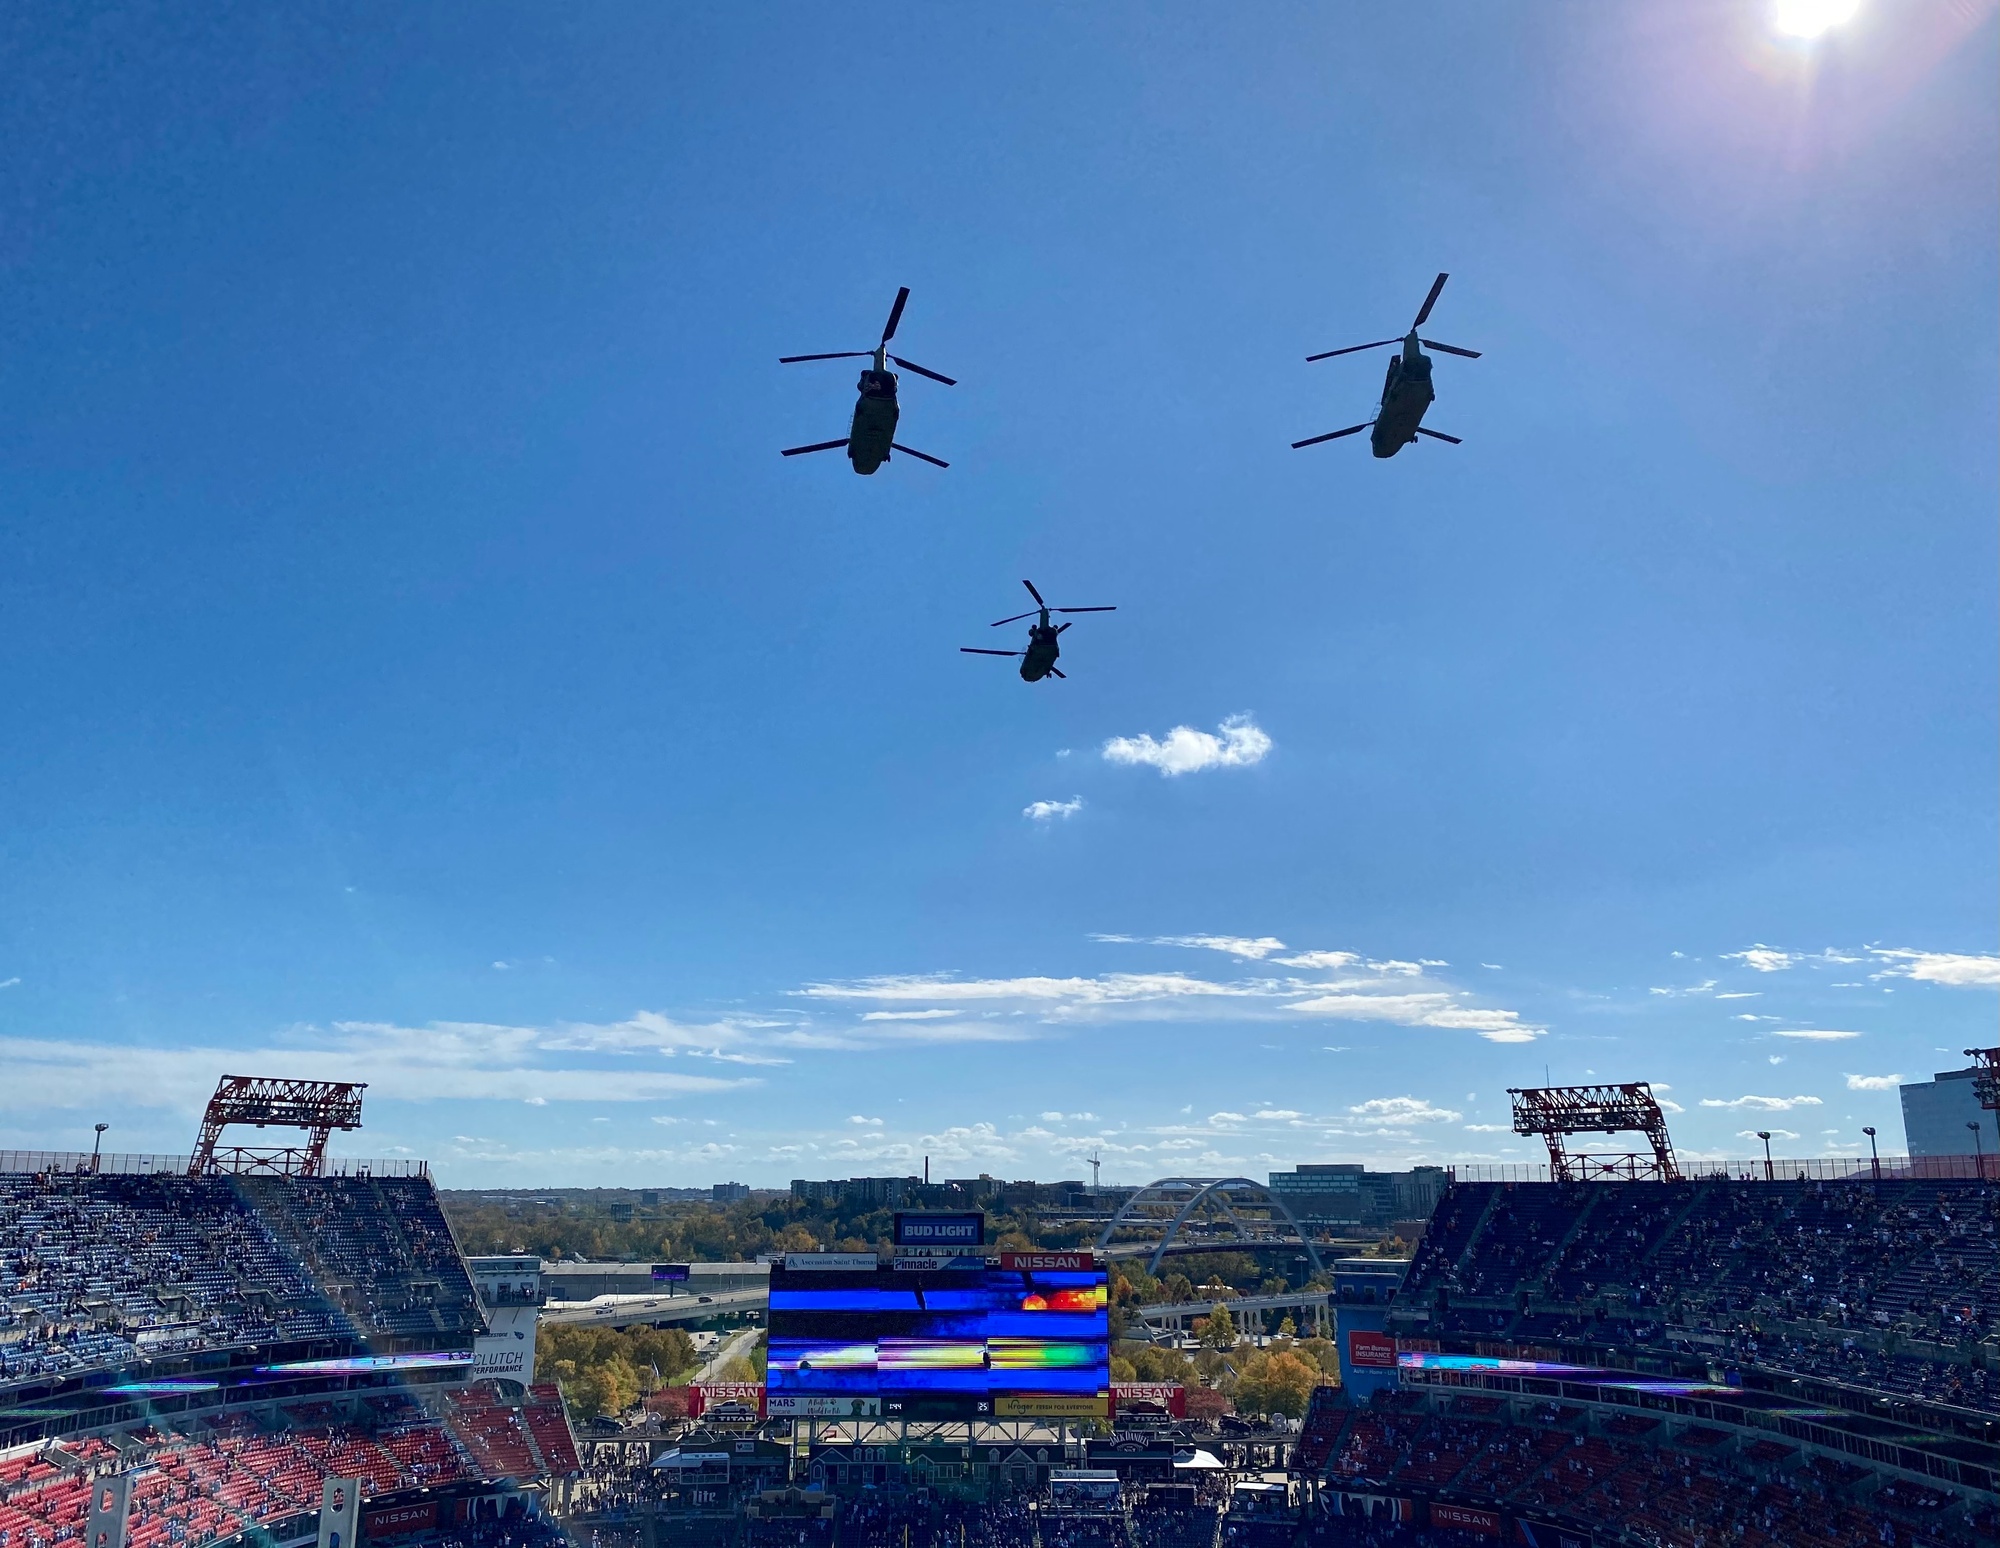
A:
x: 936, y: 462
x: 1449, y: 349
x: 1332, y: 435
x: 1034, y: 593
x: 896, y: 314
x: 800, y: 451
x: 911, y: 365
x: 1439, y: 435
x: 1082, y: 610
x: 839, y: 354
x: 1059, y: 672
x: 1062, y: 626
x: 1016, y: 618
x: 974, y: 650
x: 1351, y: 349
x: 1424, y: 312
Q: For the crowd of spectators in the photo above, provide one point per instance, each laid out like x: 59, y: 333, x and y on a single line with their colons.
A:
x: 1691, y: 1489
x: 1891, y: 1285
x: 99, y: 1270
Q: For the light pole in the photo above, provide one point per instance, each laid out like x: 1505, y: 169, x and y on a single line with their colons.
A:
x: 97, y: 1145
x: 1874, y: 1160
x: 1978, y: 1151
x: 1765, y: 1136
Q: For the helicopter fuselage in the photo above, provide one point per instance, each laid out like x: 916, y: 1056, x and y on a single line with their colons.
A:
x: 1040, y: 656
x: 875, y: 413
x: 1406, y: 395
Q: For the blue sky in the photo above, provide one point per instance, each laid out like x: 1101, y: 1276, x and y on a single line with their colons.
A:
x: 423, y: 669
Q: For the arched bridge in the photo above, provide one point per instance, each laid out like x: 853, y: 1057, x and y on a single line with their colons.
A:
x: 1204, y: 1214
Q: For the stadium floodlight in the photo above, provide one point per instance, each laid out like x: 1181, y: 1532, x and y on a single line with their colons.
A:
x: 1554, y: 1112
x: 97, y: 1145
x: 1874, y: 1157
x: 1769, y: 1174
x: 317, y: 1106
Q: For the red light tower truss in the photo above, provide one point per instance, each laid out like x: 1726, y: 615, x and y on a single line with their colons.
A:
x: 1986, y: 1080
x: 1556, y: 1111
x: 317, y: 1106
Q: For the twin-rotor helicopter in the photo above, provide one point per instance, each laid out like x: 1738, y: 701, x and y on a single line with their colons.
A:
x: 1039, y: 659
x: 871, y: 439
x: 1406, y: 391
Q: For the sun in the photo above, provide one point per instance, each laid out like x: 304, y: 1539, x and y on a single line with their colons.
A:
x: 1811, y: 18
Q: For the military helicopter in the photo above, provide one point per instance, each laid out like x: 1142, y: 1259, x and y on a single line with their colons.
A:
x: 1039, y: 659
x: 1406, y: 391
x: 872, y: 436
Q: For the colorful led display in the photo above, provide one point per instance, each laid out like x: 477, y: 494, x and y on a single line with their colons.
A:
x: 942, y: 1342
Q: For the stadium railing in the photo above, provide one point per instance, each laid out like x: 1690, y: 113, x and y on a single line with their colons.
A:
x: 82, y: 1161
x: 1817, y: 1169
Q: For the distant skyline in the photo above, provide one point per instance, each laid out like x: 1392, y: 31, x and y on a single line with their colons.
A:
x: 424, y: 670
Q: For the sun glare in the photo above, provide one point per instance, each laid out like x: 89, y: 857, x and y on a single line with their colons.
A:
x: 1811, y: 18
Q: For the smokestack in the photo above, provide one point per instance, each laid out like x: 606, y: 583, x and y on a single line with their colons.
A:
x: 927, y: 1171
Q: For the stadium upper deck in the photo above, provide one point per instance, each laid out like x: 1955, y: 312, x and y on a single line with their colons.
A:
x: 1888, y: 1286
x: 99, y: 1271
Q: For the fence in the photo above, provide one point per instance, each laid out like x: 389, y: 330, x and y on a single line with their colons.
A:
x: 1819, y: 1169
x: 15, y: 1161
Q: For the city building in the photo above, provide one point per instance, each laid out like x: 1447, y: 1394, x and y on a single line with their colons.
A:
x: 1936, y: 1112
x: 728, y: 1193
x: 1345, y: 1196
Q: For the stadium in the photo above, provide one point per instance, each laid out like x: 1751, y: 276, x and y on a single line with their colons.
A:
x: 264, y: 1345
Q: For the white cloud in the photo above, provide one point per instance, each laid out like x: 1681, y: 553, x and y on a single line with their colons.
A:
x: 1403, y: 1109
x: 1764, y: 959
x: 457, y: 1061
x: 1764, y: 1104
x: 1489, y: 1128
x: 1278, y: 1113
x: 1815, y: 1034
x: 9, y: 983
x: 1225, y: 1118
x: 1254, y: 948
x: 1777, y: 1134
x: 922, y: 1015
x: 1188, y: 751
x: 872, y: 1123
x: 1321, y: 959
x: 1046, y: 811
x: 1873, y: 1082
x: 1429, y: 1009
x: 1959, y: 970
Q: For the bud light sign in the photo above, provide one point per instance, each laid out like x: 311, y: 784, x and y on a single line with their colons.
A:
x: 968, y: 1230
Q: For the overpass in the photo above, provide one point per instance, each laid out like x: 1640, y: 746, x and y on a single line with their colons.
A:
x: 1308, y: 1309
x: 620, y: 1311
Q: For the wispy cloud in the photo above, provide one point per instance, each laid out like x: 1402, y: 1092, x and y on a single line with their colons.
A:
x: 457, y: 1061
x: 1765, y: 959
x: 1959, y: 970
x: 1873, y: 1082
x: 1051, y: 811
x: 1402, y: 1110
x: 1431, y: 1009
x: 1185, y: 750
x: 1815, y: 1034
x: 1254, y: 949
x: 1764, y: 1104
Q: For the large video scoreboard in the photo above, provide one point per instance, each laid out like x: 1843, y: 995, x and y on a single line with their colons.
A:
x: 1012, y: 1335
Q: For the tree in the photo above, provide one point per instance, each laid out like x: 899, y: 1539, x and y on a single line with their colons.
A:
x: 1276, y: 1383
x: 1180, y: 1289
x: 1123, y: 1369
x: 1218, y: 1328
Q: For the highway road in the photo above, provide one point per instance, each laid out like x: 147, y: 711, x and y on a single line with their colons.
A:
x: 618, y: 1311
